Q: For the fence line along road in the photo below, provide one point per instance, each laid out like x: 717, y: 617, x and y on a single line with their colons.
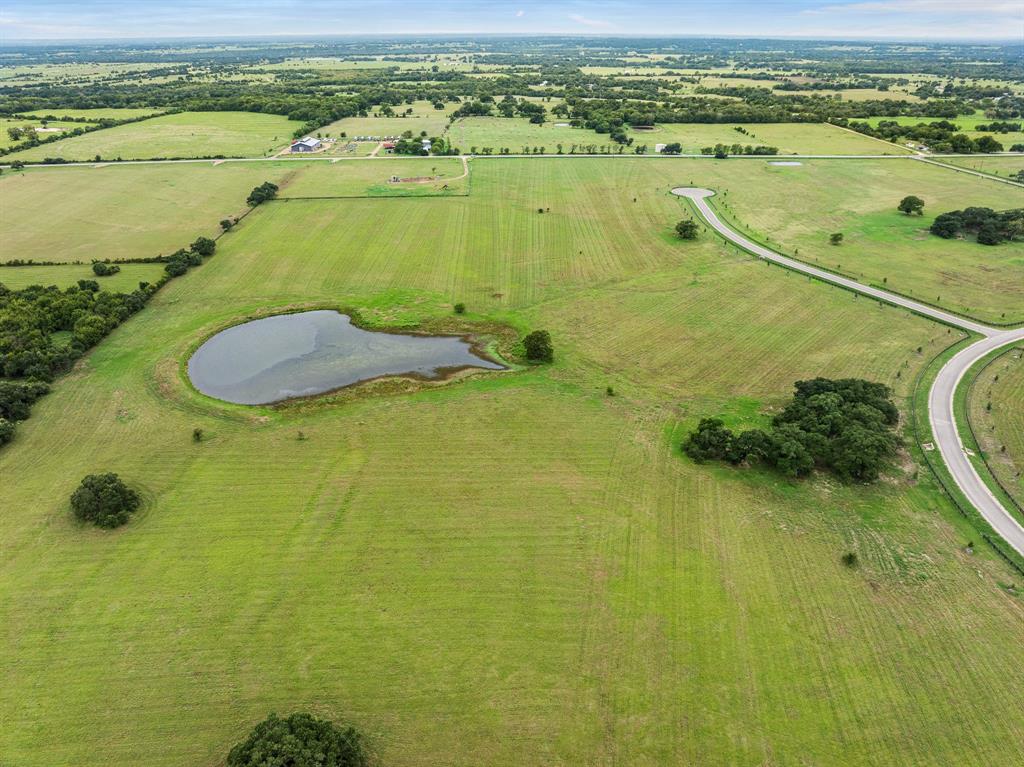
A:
x: 941, y: 397
x: 650, y: 156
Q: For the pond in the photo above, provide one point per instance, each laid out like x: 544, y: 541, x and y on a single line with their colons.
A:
x: 298, y: 355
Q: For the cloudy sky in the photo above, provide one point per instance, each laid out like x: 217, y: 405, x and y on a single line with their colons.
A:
x: 32, y: 19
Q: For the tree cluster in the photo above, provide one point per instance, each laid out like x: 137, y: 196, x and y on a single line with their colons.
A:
x: 103, y: 269
x: 724, y: 150
x: 941, y: 136
x: 30, y: 319
x: 299, y: 740
x: 845, y: 426
x: 16, y: 400
x: 265, y: 191
x: 989, y: 227
x: 104, y: 500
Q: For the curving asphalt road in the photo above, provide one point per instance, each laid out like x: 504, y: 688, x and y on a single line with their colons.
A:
x: 942, y: 394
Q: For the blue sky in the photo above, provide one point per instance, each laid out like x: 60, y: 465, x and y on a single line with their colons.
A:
x: 909, y: 19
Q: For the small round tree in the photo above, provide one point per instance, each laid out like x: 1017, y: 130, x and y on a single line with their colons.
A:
x: 301, y: 740
x: 687, y: 229
x: 204, y: 246
x: 104, y: 500
x: 538, y: 346
x: 911, y: 205
x: 836, y: 239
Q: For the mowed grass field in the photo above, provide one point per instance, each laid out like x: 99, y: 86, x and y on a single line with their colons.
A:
x: 372, y: 178
x: 515, y: 133
x: 65, y: 275
x: 1003, y: 166
x: 119, y: 212
x: 880, y: 246
x: 515, y: 569
x: 997, y: 415
x: 788, y: 138
x: 184, y: 134
x: 428, y: 119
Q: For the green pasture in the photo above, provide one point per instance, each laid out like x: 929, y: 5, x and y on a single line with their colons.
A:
x: 373, y: 178
x: 881, y: 246
x: 65, y: 275
x: 433, y: 122
x: 788, y: 138
x: 997, y: 417
x: 511, y: 569
x: 515, y: 133
x: 183, y: 134
x: 123, y: 211
x: 1005, y: 166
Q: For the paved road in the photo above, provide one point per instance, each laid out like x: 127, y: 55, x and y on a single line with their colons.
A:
x: 947, y: 437
x: 941, y: 397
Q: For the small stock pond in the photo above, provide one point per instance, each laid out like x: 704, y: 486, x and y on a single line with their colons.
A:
x: 299, y: 355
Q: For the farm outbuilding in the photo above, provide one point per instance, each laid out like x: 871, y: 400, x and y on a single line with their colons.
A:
x: 308, y: 144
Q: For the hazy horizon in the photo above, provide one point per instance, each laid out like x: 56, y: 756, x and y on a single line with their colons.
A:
x: 912, y: 20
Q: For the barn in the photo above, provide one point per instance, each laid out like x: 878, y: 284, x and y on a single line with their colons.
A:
x: 308, y: 144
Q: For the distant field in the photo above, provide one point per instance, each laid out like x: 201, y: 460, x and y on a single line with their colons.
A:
x: 7, y: 122
x: 997, y: 416
x: 1004, y: 166
x: 858, y: 94
x: 185, y: 134
x: 69, y: 72
x: 69, y: 214
x: 97, y: 114
x: 520, y: 557
x: 517, y: 132
x: 798, y: 207
x: 17, y: 277
x: 372, y: 178
x: 433, y: 123
x: 789, y: 138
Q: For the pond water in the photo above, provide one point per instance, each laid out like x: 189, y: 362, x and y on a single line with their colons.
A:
x: 297, y: 355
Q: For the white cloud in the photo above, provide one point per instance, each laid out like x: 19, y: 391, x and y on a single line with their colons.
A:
x: 595, y: 23
x: 520, y: 14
